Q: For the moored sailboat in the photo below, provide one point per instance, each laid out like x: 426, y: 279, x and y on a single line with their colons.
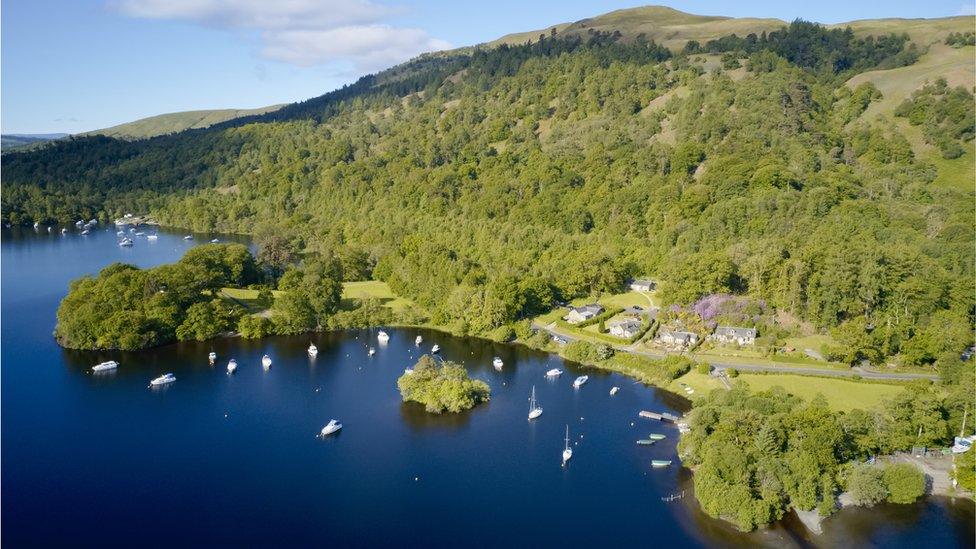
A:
x: 534, y: 409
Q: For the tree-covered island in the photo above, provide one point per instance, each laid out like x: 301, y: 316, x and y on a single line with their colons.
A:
x: 444, y: 387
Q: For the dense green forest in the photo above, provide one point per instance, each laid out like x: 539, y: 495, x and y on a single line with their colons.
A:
x: 488, y: 186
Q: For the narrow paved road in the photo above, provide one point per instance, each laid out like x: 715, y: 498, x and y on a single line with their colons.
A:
x: 856, y: 371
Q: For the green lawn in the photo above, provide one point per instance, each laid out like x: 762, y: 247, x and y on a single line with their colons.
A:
x: 246, y: 298
x: 628, y: 299
x: 374, y: 289
x: 702, y: 384
x: 841, y: 394
x: 733, y: 356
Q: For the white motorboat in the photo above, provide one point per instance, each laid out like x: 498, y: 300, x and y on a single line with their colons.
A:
x: 215, y: 240
x: 578, y: 382
x: 614, y: 390
x: 962, y: 445
x: 331, y: 427
x: 555, y: 372
x: 162, y: 380
x: 408, y: 371
x: 36, y: 224
x: 567, y: 451
x: 231, y: 366
x: 79, y: 223
x: 382, y: 337
x: 139, y: 233
x: 418, y: 341
x: 93, y: 222
x: 50, y: 229
x: 126, y: 242
x: 105, y: 366
x: 152, y: 236
x: 497, y: 363
x: 188, y: 237
x: 85, y: 232
x: 371, y: 351
x: 266, y: 362
x: 64, y: 231
x: 120, y: 233
x: 312, y: 350
x: 212, y: 357
x: 534, y: 409
x: 435, y: 349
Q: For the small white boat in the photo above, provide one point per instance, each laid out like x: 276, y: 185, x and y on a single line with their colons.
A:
x: 266, y: 362
x: 312, y: 350
x: 139, y: 233
x: 555, y: 372
x: 125, y: 242
x: 567, y: 451
x: 162, y: 380
x: 371, y: 351
x: 231, y: 366
x: 215, y: 240
x: 105, y: 366
x: 85, y: 232
x: 408, y: 371
x: 418, y: 341
x: 435, y: 349
x: 212, y: 357
x: 36, y: 224
x: 152, y: 237
x: 497, y: 363
x: 534, y: 409
x: 50, y: 229
x: 93, y: 222
x: 578, y: 382
x: 64, y: 231
x: 614, y: 390
x: 188, y: 237
x: 79, y: 223
x: 331, y: 427
x: 120, y: 233
x: 383, y: 337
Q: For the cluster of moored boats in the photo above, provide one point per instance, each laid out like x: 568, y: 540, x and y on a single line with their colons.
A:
x: 333, y: 426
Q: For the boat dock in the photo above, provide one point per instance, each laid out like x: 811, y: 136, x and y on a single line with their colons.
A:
x: 673, y: 497
x: 660, y: 417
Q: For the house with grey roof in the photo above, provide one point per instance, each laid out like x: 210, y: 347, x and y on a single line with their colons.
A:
x: 626, y: 328
x: 642, y: 285
x: 732, y: 334
x: 585, y: 312
x: 677, y: 339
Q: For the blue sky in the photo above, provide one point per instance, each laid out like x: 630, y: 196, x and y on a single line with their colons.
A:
x: 71, y: 66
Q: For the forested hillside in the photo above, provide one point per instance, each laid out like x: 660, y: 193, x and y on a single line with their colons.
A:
x: 489, y: 184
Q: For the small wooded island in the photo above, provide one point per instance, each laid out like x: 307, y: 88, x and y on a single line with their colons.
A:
x: 444, y: 387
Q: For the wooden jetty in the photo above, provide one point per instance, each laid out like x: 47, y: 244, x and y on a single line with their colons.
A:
x: 660, y: 417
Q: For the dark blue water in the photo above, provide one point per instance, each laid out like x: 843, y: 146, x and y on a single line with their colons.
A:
x: 219, y: 459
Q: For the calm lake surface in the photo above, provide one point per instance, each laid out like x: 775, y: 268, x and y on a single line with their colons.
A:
x: 218, y: 459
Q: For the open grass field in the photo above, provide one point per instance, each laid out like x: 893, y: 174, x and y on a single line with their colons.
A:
x: 701, y: 384
x: 373, y: 289
x: 841, y: 394
x: 247, y: 298
x: 176, y: 122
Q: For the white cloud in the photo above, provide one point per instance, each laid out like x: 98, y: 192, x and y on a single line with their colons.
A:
x: 302, y: 32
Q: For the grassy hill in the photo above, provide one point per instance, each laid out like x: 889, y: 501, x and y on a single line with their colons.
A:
x: 174, y: 122
x: 9, y: 141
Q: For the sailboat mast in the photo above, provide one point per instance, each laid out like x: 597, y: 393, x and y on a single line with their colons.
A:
x: 965, y: 412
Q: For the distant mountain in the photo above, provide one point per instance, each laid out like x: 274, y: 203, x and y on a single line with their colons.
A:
x: 174, y: 122
x: 17, y: 140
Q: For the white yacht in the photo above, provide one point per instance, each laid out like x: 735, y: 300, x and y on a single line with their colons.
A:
x: 139, y: 233
x: 312, y: 350
x: 188, y: 237
x: 383, y: 337
x: 212, y: 357
x: 567, y: 451
x: 126, y: 242
x: 534, y: 409
x: 64, y: 231
x: 555, y: 372
x: 497, y: 363
x: 231, y: 366
x: 79, y: 223
x: 435, y: 349
x: 50, y: 229
x: 614, y: 390
x: 371, y: 351
x: 215, y: 240
x: 85, y: 232
x: 578, y: 382
x: 266, y: 362
x: 36, y: 224
x: 105, y: 366
x: 408, y: 371
x: 418, y: 341
x: 331, y: 427
x: 162, y: 380
x: 152, y: 236
x: 120, y: 233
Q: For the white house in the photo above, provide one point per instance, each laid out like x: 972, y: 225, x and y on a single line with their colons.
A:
x: 731, y: 334
x: 677, y: 339
x: 626, y: 328
x: 586, y: 312
x: 642, y: 285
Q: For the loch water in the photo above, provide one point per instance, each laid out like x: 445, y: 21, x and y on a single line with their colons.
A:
x: 218, y: 459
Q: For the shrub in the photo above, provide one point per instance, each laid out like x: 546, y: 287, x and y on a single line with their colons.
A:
x: 732, y: 372
x: 603, y: 352
x: 703, y: 368
x: 904, y: 481
x: 867, y: 486
x: 583, y: 352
